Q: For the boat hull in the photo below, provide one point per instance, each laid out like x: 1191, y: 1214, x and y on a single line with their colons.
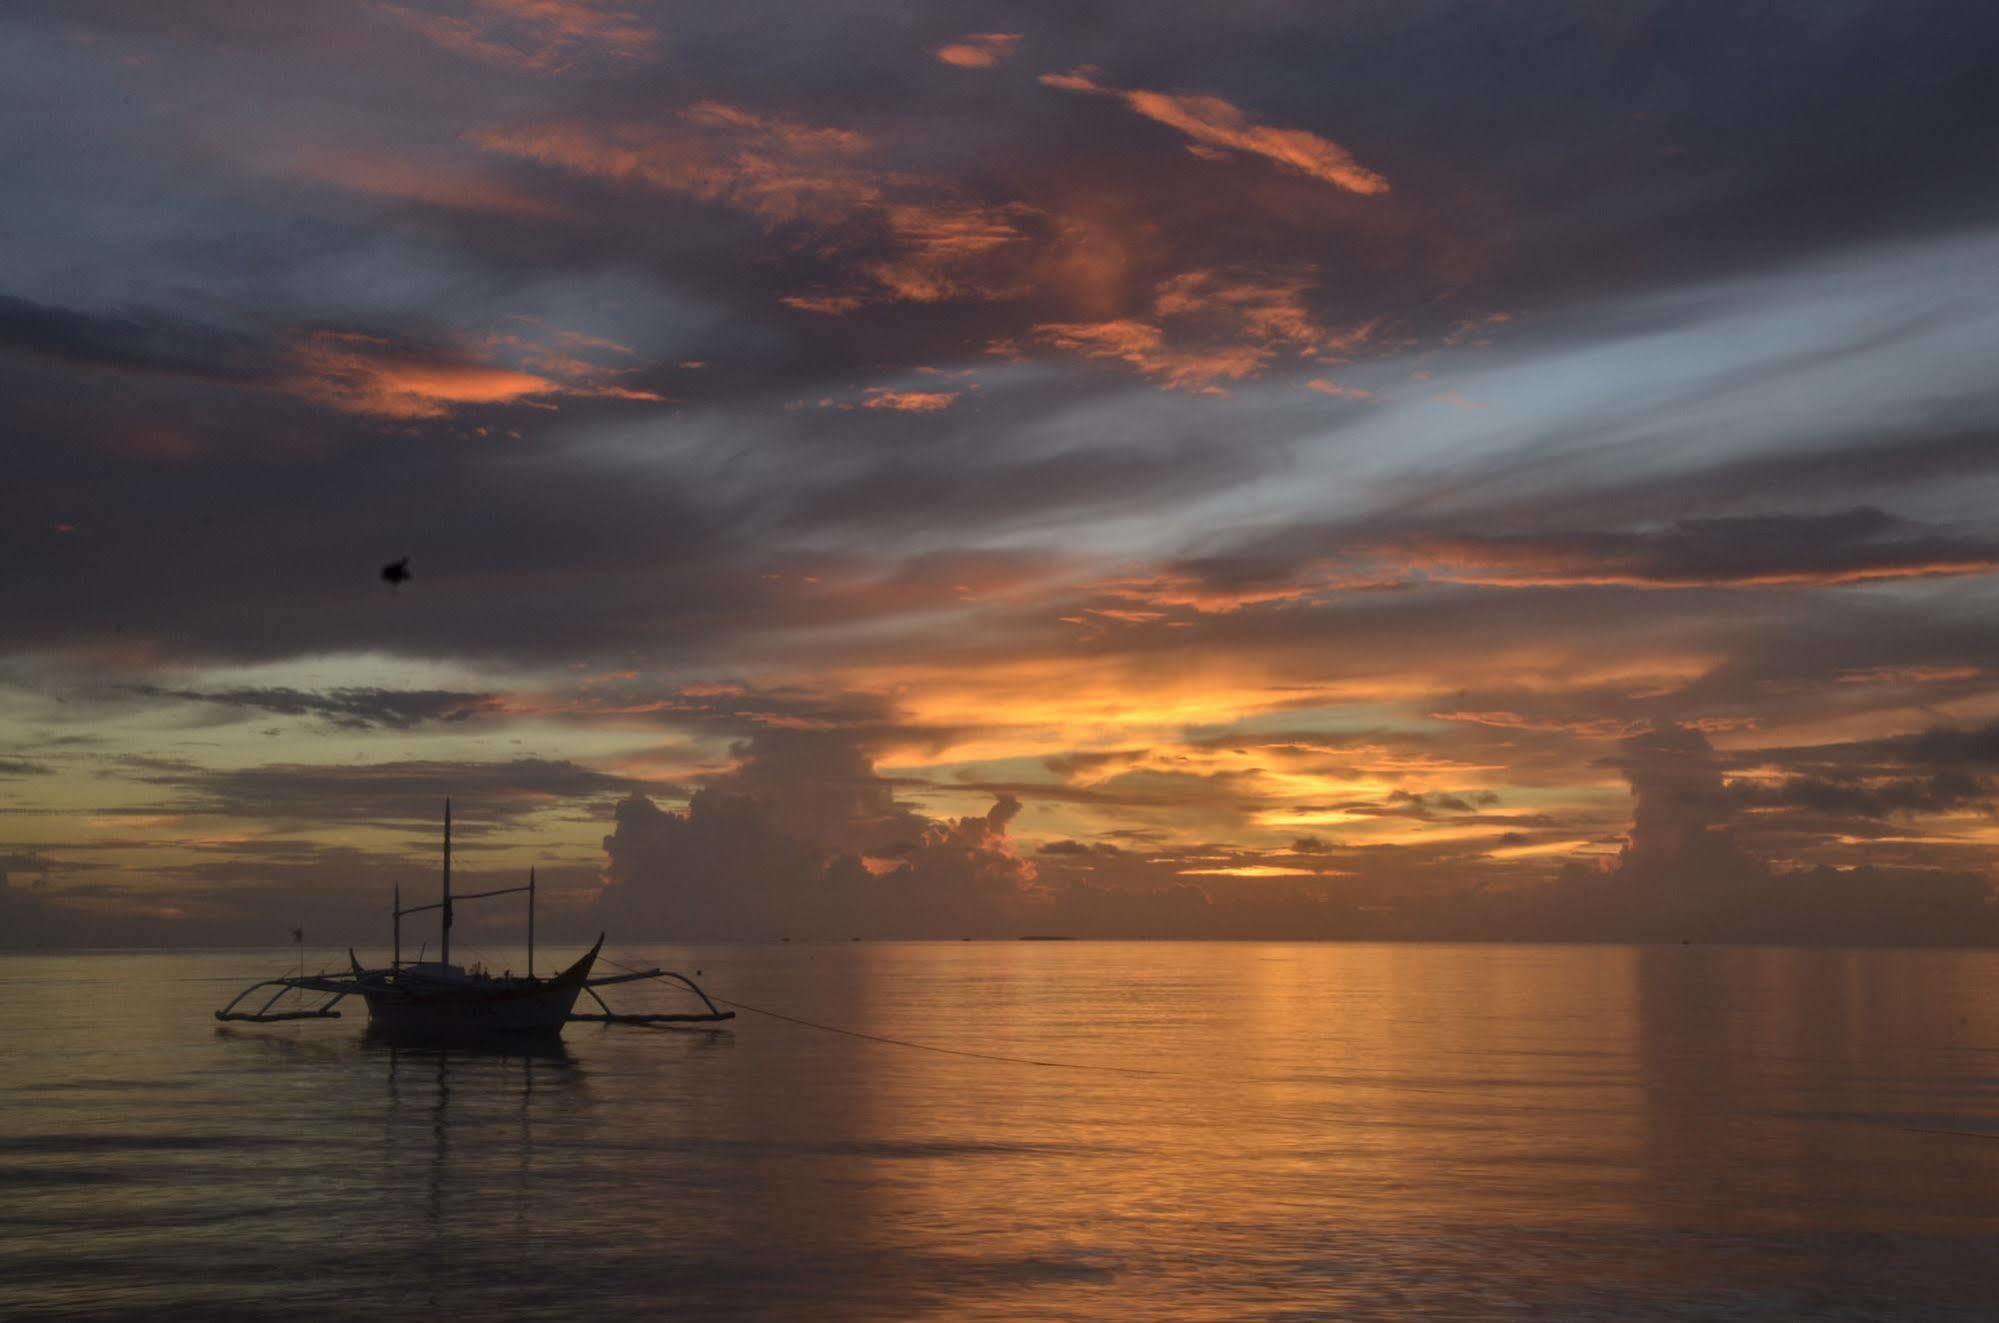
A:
x: 451, y: 1015
x: 418, y: 1007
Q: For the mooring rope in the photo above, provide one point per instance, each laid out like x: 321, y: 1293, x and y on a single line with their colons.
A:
x: 909, y: 1043
x: 933, y: 1047
x: 1961, y: 1134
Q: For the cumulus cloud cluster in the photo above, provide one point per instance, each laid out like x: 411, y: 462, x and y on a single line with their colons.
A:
x: 804, y: 837
x: 1684, y: 874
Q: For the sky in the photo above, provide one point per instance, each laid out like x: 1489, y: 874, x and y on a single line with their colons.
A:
x: 1433, y: 470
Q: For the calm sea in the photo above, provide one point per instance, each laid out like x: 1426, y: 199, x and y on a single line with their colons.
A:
x: 1252, y: 1131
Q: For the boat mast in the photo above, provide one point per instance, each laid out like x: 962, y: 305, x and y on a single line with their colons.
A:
x: 396, y: 961
x: 530, y: 921
x: 444, y: 945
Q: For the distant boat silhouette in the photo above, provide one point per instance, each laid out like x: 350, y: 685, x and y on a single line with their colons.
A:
x: 437, y: 1001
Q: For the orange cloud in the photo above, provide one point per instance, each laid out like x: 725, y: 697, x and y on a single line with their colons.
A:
x: 1313, y: 580
x: 942, y: 245
x: 1324, y: 387
x: 1801, y: 578
x: 1271, y: 311
x: 360, y: 374
x: 585, y: 341
x: 1142, y: 345
x: 535, y: 36
x: 794, y: 138
x: 1173, y: 589
x: 1600, y: 728
x: 1370, y: 789
x: 1133, y: 341
x: 1910, y: 675
x: 430, y: 183
x: 1767, y: 552
x: 1218, y: 127
x: 1472, y: 330
x: 1125, y: 614
x: 828, y: 305
x: 786, y: 173
x: 364, y: 374
x: 909, y: 401
x: 557, y: 354
x: 1630, y: 563
x: 778, y: 170
x: 1050, y: 705
x: 1573, y: 845
x: 978, y: 50
x: 1226, y: 325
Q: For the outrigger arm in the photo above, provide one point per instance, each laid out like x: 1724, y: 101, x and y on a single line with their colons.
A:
x: 337, y: 987
x: 612, y: 1017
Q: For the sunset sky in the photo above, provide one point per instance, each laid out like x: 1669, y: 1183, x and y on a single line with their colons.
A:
x: 1243, y: 469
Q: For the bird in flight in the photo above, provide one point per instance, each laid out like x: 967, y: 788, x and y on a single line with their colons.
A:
x: 397, y: 572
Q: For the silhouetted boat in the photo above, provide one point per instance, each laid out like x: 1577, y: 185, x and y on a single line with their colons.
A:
x: 437, y: 1001
x: 442, y: 1001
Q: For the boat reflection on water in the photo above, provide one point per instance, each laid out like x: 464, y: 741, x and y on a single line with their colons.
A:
x: 400, y: 1050
x: 460, y: 1137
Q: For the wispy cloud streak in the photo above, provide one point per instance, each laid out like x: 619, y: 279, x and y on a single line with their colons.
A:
x: 1216, y: 127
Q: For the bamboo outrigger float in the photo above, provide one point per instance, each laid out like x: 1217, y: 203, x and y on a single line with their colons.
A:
x: 438, y: 1001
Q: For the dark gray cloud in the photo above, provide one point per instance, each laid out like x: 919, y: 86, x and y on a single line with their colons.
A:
x: 1435, y: 804
x: 403, y: 795
x: 1835, y: 789
x: 142, y: 342
x: 1077, y: 848
x: 1945, y: 748
x: 1875, y: 798
x: 17, y: 863
x: 350, y: 709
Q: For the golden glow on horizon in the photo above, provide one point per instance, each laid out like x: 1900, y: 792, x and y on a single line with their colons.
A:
x: 1050, y: 705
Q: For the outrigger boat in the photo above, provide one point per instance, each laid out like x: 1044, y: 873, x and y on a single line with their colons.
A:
x: 438, y: 1001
